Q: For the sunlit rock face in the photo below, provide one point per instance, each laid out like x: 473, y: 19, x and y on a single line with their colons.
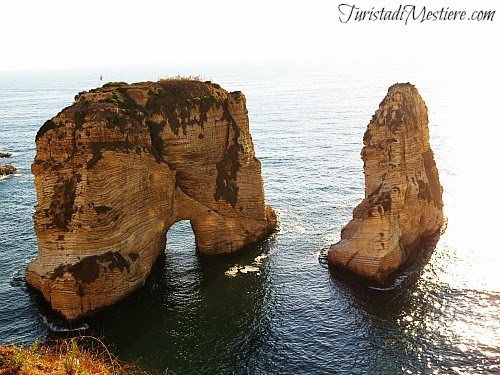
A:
x: 114, y: 171
x: 403, y: 201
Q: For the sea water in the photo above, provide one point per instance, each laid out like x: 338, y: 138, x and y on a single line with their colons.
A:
x: 276, y: 308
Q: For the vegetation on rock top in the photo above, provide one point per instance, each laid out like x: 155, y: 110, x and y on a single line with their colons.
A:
x: 187, y: 90
x: 114, y: 84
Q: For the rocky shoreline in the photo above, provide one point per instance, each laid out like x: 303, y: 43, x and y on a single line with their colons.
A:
x: 7, y: 169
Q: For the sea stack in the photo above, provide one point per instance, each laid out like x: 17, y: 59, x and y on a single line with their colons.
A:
x: 114, y: 171
x: 403, y: 196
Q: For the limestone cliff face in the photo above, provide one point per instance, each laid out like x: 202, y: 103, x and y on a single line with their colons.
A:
x: 402, y: 191
x: 114, y: 171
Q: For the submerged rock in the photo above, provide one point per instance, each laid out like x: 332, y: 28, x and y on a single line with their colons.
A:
x: 403, y: 201
x: 7, y: 169
x: 114, y: 171
x: 5, y: 154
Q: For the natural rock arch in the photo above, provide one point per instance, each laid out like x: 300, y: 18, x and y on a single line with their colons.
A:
x: 119, y: 167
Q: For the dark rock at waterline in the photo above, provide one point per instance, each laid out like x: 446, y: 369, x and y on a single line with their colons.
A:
x: 5, y: 154
x: 7, y: 169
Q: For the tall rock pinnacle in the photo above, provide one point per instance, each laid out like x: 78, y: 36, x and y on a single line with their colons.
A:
x: 403, y: 201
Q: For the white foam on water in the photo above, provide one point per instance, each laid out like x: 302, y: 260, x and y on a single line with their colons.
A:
x: 58, y: 328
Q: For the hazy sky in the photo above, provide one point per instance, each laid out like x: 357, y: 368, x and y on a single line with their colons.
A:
x: 69, y: 34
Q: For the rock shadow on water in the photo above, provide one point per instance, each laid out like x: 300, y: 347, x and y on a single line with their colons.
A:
x: 398, y: 285
x: 409, y: 323
x: 246, y: 261
x: 152, y: 299
x: 193, y: 317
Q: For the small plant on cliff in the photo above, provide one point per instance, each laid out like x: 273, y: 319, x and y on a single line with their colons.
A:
x: 122, y: 100
x: 155, y: 91
x: 34, y: 349
x: 18, y: 358
x: 71, y: 360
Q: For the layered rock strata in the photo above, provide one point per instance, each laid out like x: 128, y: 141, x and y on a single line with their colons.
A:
x: 403, y: 201
x: 114, y: 171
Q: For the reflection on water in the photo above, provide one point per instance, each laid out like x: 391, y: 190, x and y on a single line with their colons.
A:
x: 275, y: 308
x: 190, y: 307
x: 253, y: 267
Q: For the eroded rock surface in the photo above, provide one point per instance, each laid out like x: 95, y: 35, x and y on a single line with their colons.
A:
x: 114, y: 171
x: 402, y: 201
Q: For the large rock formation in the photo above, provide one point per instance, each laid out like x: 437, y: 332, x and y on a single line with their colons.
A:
x: 402, y: 201
x: 114, y: 171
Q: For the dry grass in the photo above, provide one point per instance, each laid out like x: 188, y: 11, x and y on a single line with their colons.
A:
x: 182, y: 78
x: 76, y: 356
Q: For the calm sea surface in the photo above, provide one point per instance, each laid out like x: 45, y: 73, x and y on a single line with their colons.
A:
x: 284, y: 312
